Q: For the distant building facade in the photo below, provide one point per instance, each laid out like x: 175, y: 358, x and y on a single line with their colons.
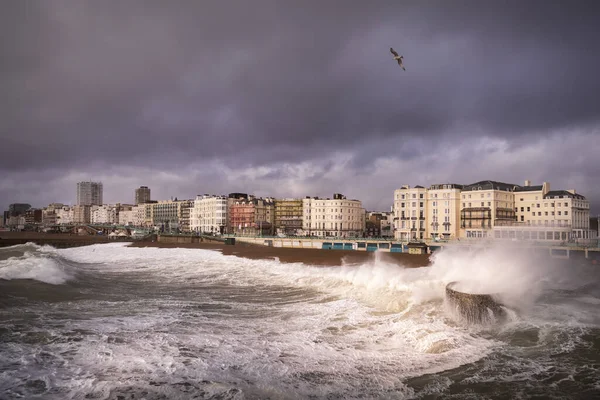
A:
x: 142, y: 195
x: 209, y: 214
x: 336, y: 217
x: 82, y: 214
x: 485, y: 205
x: 251, y: 216
x: 89, y: 193
x: 443, y: 211
x: 410, y: 212
x: 104, y: 214
x: 288, y: 216
x: 378, y: 224
x: 16, y: 209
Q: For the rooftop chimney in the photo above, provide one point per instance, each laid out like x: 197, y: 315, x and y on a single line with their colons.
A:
x: 527, y: 182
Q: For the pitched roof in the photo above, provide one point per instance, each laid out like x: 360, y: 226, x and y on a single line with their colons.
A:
x: 536, y: 188
x: 490, y: 185
x: 553, y: 193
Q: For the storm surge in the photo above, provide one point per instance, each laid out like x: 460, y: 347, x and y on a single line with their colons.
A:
x: 179, y: 323
x: 30, y: 261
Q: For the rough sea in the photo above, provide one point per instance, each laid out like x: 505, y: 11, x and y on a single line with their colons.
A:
x: 114, y: 322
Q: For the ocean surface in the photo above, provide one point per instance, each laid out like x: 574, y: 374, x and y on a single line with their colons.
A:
x: 113, y: 322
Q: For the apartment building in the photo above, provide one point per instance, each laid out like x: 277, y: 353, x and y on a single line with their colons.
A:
x: 104, y: 214
x: 89, y: 193
x: 379, y: 224
x: 127, y: 215
x: 81, y: 214
x: 288, y: 216
x: 443, y: 211
x: 410, y: 213
x: 49, y: 213
x: 209, y: 214
x: 484, y: 205
x: 64, y: 215
x: 336, y: 217
x: 543, y: 214
x: 142, y: 195
x: 250, y: 216
x: 169, y: 215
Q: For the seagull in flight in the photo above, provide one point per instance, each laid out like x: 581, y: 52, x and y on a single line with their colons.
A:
x: 397, y: 58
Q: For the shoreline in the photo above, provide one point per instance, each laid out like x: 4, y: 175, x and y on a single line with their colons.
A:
x: 319, y: 257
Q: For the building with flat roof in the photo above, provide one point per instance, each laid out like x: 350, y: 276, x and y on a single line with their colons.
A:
x: 89, y: 193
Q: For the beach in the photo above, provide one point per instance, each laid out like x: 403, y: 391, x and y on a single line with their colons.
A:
x: 295, y: 255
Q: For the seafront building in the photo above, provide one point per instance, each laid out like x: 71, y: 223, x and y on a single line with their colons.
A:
x: 543, y: 214
x: 491, y: 209
x: 485, y: 205
x: 443, y: 211
x: 410, y: 211
x: 209, y: 214
x: 169, y: 215
x: 81, y: 214
x: 336, y: 217
x: 104, y: 214
x: 250, y: 216
x: 288, y: 217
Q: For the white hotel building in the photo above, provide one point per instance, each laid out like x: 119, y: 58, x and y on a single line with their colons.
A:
x: 104, y: 214
x: 490, y: 209
x: 209, y: 214
x: 337, y: 217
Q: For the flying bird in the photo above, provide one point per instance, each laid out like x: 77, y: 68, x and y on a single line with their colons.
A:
x: 397, y: 58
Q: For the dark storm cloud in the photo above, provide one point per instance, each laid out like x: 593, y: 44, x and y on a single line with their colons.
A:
x: 257, y: 83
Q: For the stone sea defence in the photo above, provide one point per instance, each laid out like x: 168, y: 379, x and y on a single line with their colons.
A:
x: 467, y: 304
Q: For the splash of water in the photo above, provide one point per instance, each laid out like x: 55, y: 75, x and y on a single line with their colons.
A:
x: 517, y: 276
x: 30, y: 261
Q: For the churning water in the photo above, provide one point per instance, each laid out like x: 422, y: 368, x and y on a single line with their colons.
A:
x: 113, y: 322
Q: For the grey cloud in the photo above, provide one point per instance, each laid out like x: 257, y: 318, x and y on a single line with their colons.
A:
x: 264, y: 82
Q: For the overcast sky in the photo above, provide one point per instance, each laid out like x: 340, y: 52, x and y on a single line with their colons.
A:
x: 294, y: 98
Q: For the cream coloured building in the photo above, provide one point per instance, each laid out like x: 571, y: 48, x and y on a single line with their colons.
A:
x: 548, y: 215
x: 104, y: 214
x: 485, y: 205
x: 336, y: 217
x: 64, y: 215
x: 410, y: 213
x: 81, y: 214
x: 131, y: 215
x: 209, y: 214
x: 443, y: 211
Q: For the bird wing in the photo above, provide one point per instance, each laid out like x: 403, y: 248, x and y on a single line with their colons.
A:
x: 393, y: 52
